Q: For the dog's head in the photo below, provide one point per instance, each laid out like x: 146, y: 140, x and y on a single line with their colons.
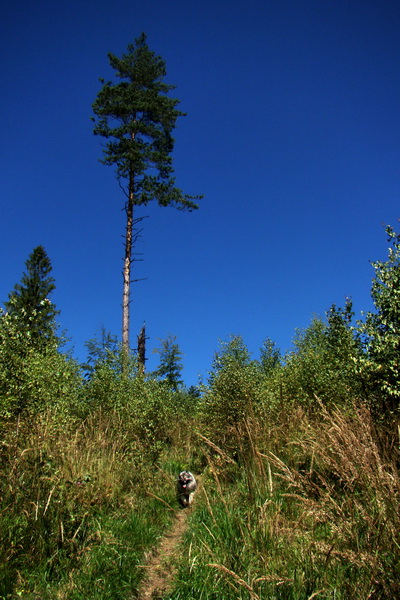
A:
x: 185, y: 478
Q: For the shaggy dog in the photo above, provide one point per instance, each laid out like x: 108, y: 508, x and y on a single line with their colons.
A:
x: 186, y: 486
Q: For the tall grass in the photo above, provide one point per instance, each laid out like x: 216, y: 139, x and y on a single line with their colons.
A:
x: 292, y: 505
x: 312, y: 511
x: 75, y: 509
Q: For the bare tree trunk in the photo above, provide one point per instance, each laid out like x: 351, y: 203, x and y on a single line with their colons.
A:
x: 127, y: 268
x: 141, y: 348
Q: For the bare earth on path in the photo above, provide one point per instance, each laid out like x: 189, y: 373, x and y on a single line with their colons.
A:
x: 159, y: 567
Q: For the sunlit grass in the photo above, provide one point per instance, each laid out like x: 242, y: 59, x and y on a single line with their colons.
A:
x: 77, y: 513
x: 308, y: 508
x: 322, y: 523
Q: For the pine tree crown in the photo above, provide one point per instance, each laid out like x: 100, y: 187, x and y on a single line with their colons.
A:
x: 136, y: 117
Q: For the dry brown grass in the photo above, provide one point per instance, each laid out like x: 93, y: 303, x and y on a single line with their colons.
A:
x: 311, y: 508
x: 350, y: 485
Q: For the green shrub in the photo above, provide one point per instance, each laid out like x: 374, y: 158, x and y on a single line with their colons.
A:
x: 323, y: 363
x: 380, y: 363
x: 75, y: 508
x: 324, y: 526
x: 233, y: 397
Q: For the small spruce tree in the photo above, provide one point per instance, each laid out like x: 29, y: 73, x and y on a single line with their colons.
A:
x: 270, y: 356
x: 102, y: 350
x: 170, y: 366
x: 29, y: 303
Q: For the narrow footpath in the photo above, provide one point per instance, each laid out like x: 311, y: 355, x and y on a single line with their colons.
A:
x: 160, y: 570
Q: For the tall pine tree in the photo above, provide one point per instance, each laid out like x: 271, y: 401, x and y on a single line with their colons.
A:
x: 30, y: 300
x: 136, y: 117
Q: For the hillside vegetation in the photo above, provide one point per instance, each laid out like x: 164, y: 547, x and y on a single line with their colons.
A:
x: 297, y: 455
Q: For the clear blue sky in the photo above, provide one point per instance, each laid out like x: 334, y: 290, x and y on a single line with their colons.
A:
x: 292, y: 135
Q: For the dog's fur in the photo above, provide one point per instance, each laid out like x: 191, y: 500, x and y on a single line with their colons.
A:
x: 186, y: 486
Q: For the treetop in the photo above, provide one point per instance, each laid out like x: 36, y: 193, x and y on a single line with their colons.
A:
x: 137, y: 117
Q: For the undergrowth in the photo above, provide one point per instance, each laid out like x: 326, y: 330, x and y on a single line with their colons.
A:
x: 293, y: 507
x: 77, y: 509
x: 322, y: 522
x: 299, y: 497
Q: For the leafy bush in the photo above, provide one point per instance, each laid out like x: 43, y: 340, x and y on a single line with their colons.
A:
x: 75, y: 513
x: 233, y: 396
x: 150, y: 410
x: 380, y: 332
x: 323, y: 364
x: 326, y: 526
x: 33, y: 377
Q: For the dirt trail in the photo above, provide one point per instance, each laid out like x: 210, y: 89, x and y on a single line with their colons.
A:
x: 159, y: 567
